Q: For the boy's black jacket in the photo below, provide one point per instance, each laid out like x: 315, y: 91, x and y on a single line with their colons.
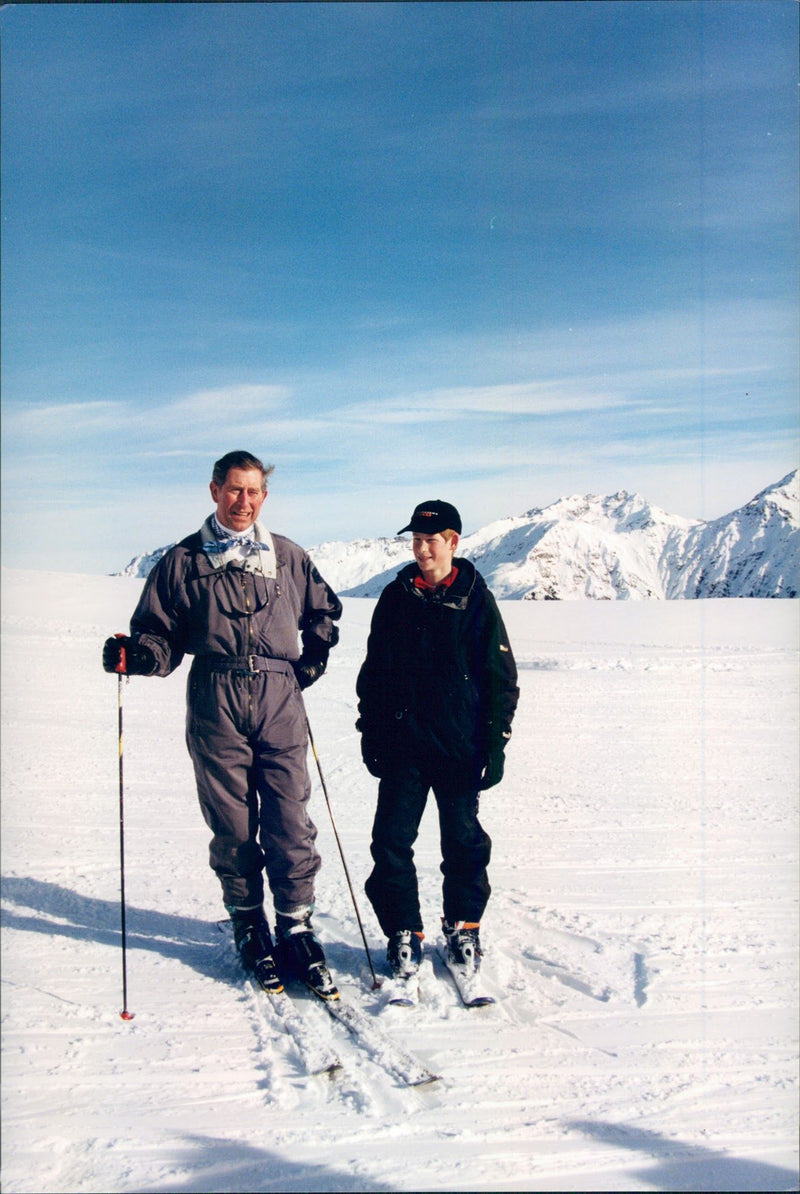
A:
x: 439, y: 675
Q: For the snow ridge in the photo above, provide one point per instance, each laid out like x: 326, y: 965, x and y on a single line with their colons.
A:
x: 613, y: 547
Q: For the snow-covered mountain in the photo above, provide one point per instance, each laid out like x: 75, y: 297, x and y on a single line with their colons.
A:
x: 143, y: 565
x: 613, y: 547
x: 617, y: 547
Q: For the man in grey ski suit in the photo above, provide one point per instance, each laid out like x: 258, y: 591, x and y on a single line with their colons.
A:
x: 235, y: 596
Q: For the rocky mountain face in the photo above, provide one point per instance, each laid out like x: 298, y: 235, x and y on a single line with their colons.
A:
x: 616, y: 547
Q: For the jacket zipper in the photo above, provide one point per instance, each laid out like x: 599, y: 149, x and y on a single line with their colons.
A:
x: 249, y: 652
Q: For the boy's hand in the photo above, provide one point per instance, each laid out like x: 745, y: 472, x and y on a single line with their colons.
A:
x: 371, y: 760
x: 369, y: 753
x: 493, y: 771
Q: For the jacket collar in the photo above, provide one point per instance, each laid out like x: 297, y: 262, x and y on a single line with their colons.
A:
x: 261, y: 559
x: 454, y: 597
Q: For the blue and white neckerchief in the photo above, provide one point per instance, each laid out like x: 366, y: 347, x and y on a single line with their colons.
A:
x: 225, y: 540
x: 252, y: 550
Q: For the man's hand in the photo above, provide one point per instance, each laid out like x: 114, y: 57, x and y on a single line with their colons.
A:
x: 308, y: 673
x: 127, y: 657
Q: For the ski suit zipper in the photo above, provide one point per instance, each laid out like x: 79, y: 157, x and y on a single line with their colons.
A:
x: 251, y: 674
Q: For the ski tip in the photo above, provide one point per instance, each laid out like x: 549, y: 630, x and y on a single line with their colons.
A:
x: 331, y: 1070
x: 427, y: 1080
x: 480, y: 1001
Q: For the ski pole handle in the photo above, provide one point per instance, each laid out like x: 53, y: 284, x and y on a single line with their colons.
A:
x: 122, y: 666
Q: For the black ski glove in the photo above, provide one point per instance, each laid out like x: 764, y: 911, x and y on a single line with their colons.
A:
x: 313, y: 658
x: 139, y: 660
x: 307, y: 673
x: 370, y: 753
x: 493, y: 771
x: 372, y: 761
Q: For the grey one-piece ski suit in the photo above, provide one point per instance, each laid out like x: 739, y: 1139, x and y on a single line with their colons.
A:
x: 242, y: 619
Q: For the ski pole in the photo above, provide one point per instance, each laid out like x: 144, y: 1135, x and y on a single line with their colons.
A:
x: 120, y: 669
x: 376, y: 982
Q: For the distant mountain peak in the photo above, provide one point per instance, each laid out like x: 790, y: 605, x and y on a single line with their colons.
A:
x: 607, y: 547
x: 784, y: 494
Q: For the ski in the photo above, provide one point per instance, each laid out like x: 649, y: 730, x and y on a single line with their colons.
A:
x: 470, y: 986
x: 280, y: 1012
x: 281, y: 1015
x: 316, y: 1055
x: 402, y: 990
x: 380, y: 1048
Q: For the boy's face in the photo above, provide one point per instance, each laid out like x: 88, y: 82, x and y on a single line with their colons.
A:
x: 434, y: 556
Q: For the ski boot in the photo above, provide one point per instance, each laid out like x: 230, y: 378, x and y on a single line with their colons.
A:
x: 254, y: 945
x: 462, y: 947
x: 462, y: 956
x: 300, y: 954
x: 404, y: 953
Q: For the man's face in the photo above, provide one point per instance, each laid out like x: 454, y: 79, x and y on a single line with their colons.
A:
x: 434, y: 556
x: 239, y: 498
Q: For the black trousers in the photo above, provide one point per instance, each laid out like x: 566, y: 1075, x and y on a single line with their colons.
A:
x: 392, y: 887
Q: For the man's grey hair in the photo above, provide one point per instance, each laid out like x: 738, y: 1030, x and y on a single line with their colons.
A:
x: 243, y: 460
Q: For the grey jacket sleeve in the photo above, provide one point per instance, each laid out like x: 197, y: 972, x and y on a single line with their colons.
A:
x: 322, y: 608
x: 159, y: 618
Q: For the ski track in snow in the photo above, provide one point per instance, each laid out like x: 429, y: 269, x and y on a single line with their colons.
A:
x: 641, y: 938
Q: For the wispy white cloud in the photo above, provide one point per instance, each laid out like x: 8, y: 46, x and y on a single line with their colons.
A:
x: 58, y: 419
x: 521, y: 398
x: 234, y: 402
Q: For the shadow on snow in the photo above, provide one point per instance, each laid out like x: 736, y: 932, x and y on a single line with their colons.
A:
x: 65, y: 913
x: 688, y: 1166
x: 58, y: 911
x: 214, y: 1163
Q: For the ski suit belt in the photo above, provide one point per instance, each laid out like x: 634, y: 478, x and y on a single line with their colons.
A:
x: 240, y: 665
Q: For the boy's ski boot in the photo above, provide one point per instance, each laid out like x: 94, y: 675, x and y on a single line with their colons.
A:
x: 462, y: 955
x: 300, y: 954
x: 404, y: 953
x: 254, y: 945
x: 462, y: 946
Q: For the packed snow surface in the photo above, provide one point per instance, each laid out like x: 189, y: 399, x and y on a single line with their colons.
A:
x: 641, y: 938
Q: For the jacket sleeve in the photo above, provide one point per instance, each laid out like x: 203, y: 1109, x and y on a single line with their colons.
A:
x: 158, y: 621
x: 375, y: 681
x: 321, y: 608
x: 501, y: 671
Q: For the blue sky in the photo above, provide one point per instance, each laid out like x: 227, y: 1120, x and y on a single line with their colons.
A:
x: 495, y: 253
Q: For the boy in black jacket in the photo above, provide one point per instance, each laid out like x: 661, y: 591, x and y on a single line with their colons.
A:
x: 437, y: 694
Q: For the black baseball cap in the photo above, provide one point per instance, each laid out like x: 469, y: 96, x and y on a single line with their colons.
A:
x: 429, y: 518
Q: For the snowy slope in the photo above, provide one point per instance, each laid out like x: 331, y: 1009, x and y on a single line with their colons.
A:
x: 613, y: 547
x: 754, y: 552
x: 641, y: 936
x: 143, y: 565
x: 603, y: 548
